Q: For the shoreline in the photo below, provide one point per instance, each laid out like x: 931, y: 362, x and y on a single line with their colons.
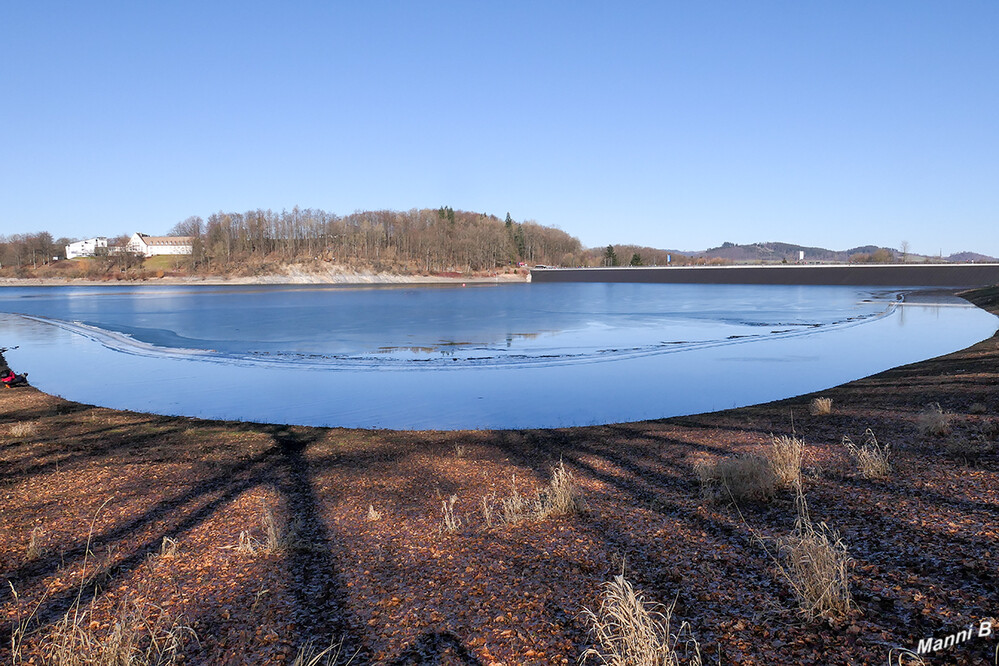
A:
x: 400, y: 589
x: 345, y: 278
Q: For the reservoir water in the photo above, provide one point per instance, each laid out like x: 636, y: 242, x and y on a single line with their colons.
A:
x: 490, y: 356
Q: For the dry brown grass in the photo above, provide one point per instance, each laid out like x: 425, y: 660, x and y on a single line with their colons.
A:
x: 821, y: 406
x: 35, y: 548
x: 787, y: 453
x: 871, y: 457
x: 449, y: 521
x: 737, y: 478
x: 247, y: 544
x: 140, y: 635
x: 629, y: 631
x: 309, y: 655
x: 22, y: 430
x: 816, y: 564
x: 277, y: 537
x: 169, y: 548
x: 969, y: 448
x: 560, y: 497
x: 516, y: 507
x: 933, y: 421
x: 488, y: 510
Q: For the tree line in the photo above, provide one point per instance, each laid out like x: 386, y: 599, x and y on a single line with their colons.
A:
x: 440, y: 240
x: 419, y: 240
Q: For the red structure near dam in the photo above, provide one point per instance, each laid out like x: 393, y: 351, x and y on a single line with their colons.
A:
x: 879, y: 275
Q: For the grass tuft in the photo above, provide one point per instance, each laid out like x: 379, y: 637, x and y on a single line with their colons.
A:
x: 488, y: 511
x: 247, y: 544
x: 629, y: 631
x: 560, y: 497
x: 969, y: 448
x: 23, y: 430
x: 276, y: 537
x: 35, y: 548
x: 933, y: 421
x: 309, y: 655
x: 737, y: 478
x: 871, y: 457
x: 516, y: 507
x: 821, y: 406
x: 787, y: 453
x: 449, y: 521
x: 816, y: 564
x: 169, y: 548
x: 140, y: 635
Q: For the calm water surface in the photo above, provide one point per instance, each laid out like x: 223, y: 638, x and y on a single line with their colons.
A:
x: 504, y: 356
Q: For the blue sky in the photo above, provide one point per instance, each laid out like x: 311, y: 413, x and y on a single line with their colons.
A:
x: 677, y: 125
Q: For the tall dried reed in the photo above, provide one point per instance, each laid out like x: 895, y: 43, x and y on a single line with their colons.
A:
x: 629, y: 631
x: 815, y: 563
x: 821, y: 406
x: 871, y: 457
x: 787, y: 453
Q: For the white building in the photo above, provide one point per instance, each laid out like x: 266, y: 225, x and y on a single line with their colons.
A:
x: 150, y: 246
x: 86, y: 248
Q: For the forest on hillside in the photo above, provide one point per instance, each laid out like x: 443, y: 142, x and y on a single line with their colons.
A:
x: 439, y: 240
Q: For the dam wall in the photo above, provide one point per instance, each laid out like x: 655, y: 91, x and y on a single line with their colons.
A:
x: 867, y: 275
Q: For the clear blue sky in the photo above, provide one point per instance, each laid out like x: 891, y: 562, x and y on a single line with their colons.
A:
x: 672, y: 124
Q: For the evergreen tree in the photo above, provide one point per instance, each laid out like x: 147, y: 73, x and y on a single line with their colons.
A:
x: 610, y: 257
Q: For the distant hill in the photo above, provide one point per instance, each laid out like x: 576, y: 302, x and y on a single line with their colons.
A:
x: 973, y: 257
x: 776, y: 252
